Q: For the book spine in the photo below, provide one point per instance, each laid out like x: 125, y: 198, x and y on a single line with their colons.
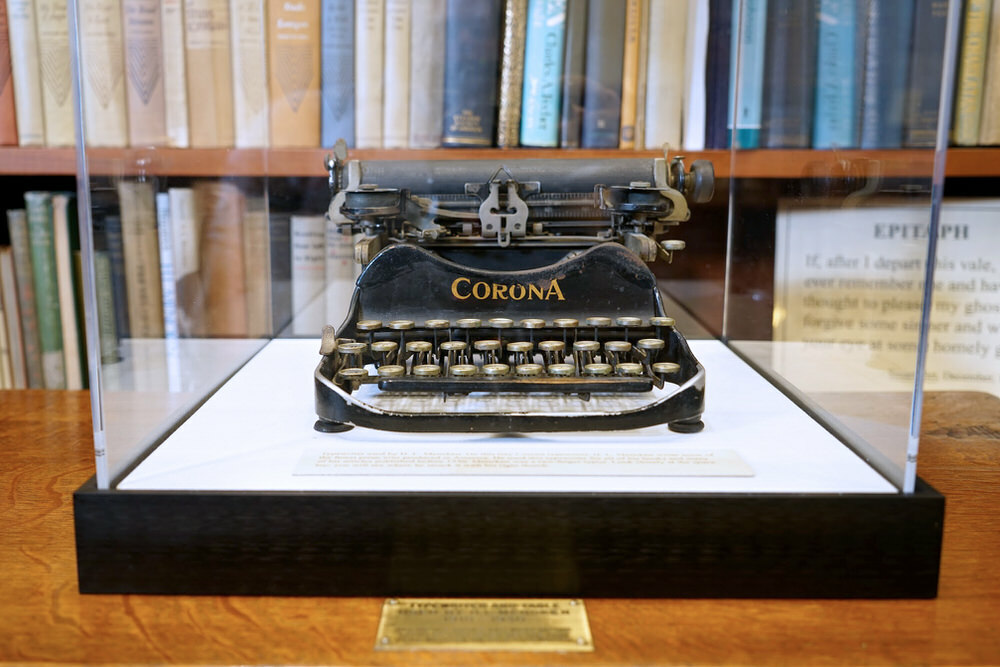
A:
x: 930, y: 18
x: 257, y: 259
x: 747, y: 75
x: 12, y: 317
x: 249, y: 54
x: 695, y: 63
x: 642, y: 73
x: 219, y: 209
x: 17, y: 224
x: 52, y: 26
x: 396, y: 95
x: 543, y: 66
x: 174, y: 73
x: 63, y: 215
x: 513, y: 61
x: 294, y: 70
x: 43, y: 265
x: 665, y: 76
x: 989, y: 127
x: 103, y: 84
x: 168, y: 284
x: 337, y: 76
x: 281, y: 270
x: 574, y: 62
x: 26, y: 72
x: 835, y: 122
x: 426, y: 73
x: 106, y: 320
x: 142, y: 35
x: 883, y: 98
x: 209, y: 73
x: 369, y: 35
x: 788, y: 95
x: 308, y: 273
x: 603, y: 80
x: 8, y: 112
x: 6, y: 370
x: 971, y: 68
x: 630, y: 74
x: 717, y: 74
x: 472, y: 50
x: 142, y: 259
x: 185, y: 244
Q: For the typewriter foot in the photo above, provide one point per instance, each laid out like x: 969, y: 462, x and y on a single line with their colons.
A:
x: 686, y: 425
x: 326, y: 426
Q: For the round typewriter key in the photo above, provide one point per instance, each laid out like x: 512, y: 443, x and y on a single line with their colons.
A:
x: 661, y: 321
x: 650, y: 344
x: 437, y: 324
x: 532, y: 323
x: 384, y: 351
x: 618, y: 346
x: 629, y: 369
x: 565, y: 323
x: 665, y: 368
x: 584, y: 351
x: 597, y: 369
x: 562, y: 370
x: 528, y: 370
x: 463, y: 370
x: 455, y: 351
x: 501, y: 322
x: 418, y: 346
x: 354, y: 375
x: 469, y: 323
x: 520, y: 346
x: 629, y: 321
x: 352, y: 354
x: 427, y: 370
x: 489, y: 348
x: 598, y: 321
x: 552, y: 350
x: 401, y: 325
x: 520, y: 352
x: 496, y: 370
x: 368, y: 325
x: 391, y: 371
x: 586, y: 346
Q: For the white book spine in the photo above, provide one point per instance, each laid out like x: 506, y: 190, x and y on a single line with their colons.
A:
x: 696, y: 47
x: 52, y: 27
x: 103, y: 84
x: 26, y: 72
x: 184, y: 244
x: 249, y: 51
x: 64, y: 283
x: 167, y: 278
x: 426, y: 72
x: 368, y: 72
x: 174, y: 76
x: 396, y: 98
x: 308, y: 240
x: 665, y: 73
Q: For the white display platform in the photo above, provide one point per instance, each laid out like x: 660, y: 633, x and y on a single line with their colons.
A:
x: 255, y: 434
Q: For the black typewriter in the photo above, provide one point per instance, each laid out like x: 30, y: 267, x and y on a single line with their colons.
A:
x: 510, y: 296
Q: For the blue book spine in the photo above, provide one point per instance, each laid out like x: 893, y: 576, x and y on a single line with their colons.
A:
x: 543, y: 63
x: 926, y: 60
x: 337, y: 72
x: 747, y: 72
x: 836, y: 122
x: 887, y: 53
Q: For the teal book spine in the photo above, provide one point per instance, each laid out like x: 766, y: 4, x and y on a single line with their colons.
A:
x: 543, y: 64
x: 835, y: 123
x: 747, y: 71
x: 337, y: 72
x: 43, y: 264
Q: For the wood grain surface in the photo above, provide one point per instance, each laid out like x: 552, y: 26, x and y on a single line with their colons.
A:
x: 45, y: 442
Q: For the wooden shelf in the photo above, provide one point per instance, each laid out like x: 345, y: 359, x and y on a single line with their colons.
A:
x: 29, y: 161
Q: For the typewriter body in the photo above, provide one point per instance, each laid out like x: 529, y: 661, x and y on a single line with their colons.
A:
x: 510, y: 296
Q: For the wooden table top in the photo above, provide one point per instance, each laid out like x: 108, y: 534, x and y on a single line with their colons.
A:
x: 45, y: 440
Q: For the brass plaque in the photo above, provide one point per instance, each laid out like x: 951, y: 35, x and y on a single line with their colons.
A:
x: 458, y: 624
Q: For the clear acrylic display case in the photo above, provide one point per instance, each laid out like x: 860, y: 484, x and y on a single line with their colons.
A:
x: 209, y: 274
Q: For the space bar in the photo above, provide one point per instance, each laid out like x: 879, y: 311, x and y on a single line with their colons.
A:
x: 521, y: 385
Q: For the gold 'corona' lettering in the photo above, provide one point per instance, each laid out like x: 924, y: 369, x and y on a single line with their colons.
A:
x: 464, y: 288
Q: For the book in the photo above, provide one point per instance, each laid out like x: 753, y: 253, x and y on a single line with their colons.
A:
x: 25, y: 72
x: 574, y: 62
x: 889, y: 29
x: 142, y: 35
x: 106, y: 320
x: 281, y: 270
x: 8, y: 112
x: 52, y: 27
x: 788, y: 90
x: 141, y: 258
x: 248, y: 41
x: 471, y: 62
x: 294, y: 70
x: 103, y: 82
x: 174, y: 73
x: 839, y: 56
x: 642, y: 72
x: 6, y: 374
x: 543, y: 66
x: 308, y: 273
x: 17, y: 224
x: 396, y: 82
x: 602, y: 88
x: 695, y: 87
x: 427, y: 74
x: 209, y: 73
x: 219, y: 208
x: 38, y: 206
x: 923, y: 89
x: 64, y: 237
x: 746, y: 73
x: 630, y: 74
x: 108, y: 239
x: 971, y: 68
x: 717, y: 75
x: 168, y: 279
x: 10, y: 319
x: 512, y: 72
x: 257, y: 261
x: 337, y: 72
x: 989, y: 127
x: 665, y: 76
x: 185, y: 245
x: 369, y: 38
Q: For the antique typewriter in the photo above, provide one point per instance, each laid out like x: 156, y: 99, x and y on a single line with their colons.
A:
x: 510, y: 296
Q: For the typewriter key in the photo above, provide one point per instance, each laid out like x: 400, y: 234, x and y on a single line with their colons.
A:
x: 598, y: 322
x: 402, y: 326
x: 597, y: 369
x: 463, y: 370
x: 562, y: 370
x: 353, y: 375
x: 566, y: 323
x: 661, y: 323
x: 427, y: 370
x: 584, y: 351
x: 455, y: 351
x: 352, y: 354
x: 532, y: 323
x: 616, y: 350
x: 469, y: 323
x: 489, y: 348
x: 496, y: 370
x: 647, y: 349
x: 528, y: 370
x: 552, y: 351
x: 501, y: 322
x: 384, y: 351
x: 627, y: 322
x: 437, y: 324
x: 391, y: 371
x: 419, y: 351
x: 520, y: 352
x: 368, y: 325
x: 665, y: 370
x: 629, y: 369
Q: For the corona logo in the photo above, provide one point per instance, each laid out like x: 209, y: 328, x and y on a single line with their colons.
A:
x: 464, y: 288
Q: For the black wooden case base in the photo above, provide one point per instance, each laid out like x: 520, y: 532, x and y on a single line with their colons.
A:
x: 509, y: 544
